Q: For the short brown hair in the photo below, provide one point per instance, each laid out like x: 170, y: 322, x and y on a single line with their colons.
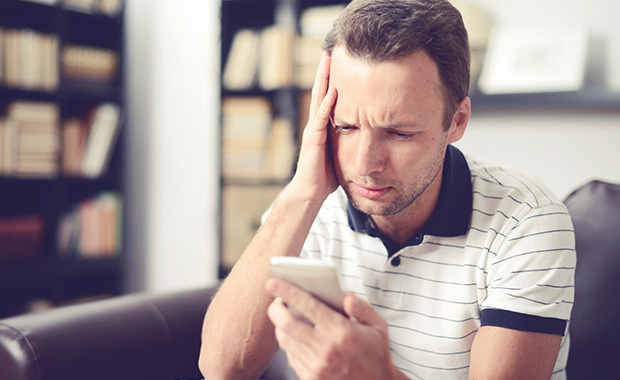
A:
x: 384, y: 30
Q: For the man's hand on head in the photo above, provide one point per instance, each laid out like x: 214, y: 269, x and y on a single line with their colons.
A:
x: 333, y: 345
x: 315, y: 179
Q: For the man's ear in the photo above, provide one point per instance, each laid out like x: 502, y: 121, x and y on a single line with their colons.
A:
x: 459, y: 120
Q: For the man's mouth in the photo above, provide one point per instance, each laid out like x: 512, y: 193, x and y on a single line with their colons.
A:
x: 371, y: 193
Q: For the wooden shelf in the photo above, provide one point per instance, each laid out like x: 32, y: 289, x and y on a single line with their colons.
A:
x: 15, y: 272
x: 581, y: 101
x: 47, y: 275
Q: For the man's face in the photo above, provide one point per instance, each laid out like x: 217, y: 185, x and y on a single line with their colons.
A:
x: 388, y: 141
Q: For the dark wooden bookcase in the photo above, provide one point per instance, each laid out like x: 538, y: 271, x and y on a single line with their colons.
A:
x: 245, y: 199
x: 46, y: 275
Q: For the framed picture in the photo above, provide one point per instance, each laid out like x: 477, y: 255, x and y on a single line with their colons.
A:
x: 534, y: 59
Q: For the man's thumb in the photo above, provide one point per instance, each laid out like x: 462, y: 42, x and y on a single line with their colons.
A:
x: 361, y: 310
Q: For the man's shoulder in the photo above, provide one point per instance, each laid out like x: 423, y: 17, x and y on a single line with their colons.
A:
x: 493, y: 181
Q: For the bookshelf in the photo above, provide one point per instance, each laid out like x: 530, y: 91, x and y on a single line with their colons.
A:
x: 264, y: 102
x: 245, y: 196
x: 61, y: 154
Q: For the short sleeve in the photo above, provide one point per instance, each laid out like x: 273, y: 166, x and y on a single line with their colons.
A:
x: 530, y: 280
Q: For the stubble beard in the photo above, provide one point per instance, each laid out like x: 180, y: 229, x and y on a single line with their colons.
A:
x: 411, y: 191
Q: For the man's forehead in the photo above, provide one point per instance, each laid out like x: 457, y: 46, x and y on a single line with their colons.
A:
x: 395, y: 93
x: 417, y: 68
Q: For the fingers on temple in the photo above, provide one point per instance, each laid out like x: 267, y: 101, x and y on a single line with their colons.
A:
x: 321, y: 83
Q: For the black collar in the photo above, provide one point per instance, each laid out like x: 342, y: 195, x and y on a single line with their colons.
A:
x: 452, y: 213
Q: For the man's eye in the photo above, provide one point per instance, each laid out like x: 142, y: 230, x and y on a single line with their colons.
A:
x: 343, y: 128
x: 402, y: 135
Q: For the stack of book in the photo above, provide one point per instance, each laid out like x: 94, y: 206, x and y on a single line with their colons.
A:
x: 255, y: 145
x: 281, y: 151
x: 260, y: 57
x: 105, y: 7
x: 246, y: 122
x: 29, y: 59
x: 21, y: 237
x: 30, y: 140
x: 93, y: 229
x: 314, y: 23
x: 88, y: 142
x: 275, y: 63
x: 89, y: 63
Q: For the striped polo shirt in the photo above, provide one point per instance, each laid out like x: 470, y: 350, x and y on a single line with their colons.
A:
x: 498, y: 250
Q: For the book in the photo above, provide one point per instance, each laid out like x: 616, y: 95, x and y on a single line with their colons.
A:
x: 21, y: 236
x: 102, y: 136
x: 255, y: 145
x: 89, y: 142
x: 314, y: 23
x: 262, y: 57
x: 89, y: 63
x: 106, y: 7
x: 74, y: 136
x: 31, y: 139
x: 30, y: 59
x: 110, y: 7
x: 281, y: 151
x: 242, y: 62
x: 84, y: 6
x: 1, y: 55
x: 246, y: 122
x: 93, y: 229
x: 318, y: 20
x: 49, y: 72
x: 30, y: 111
x: 242, y: 208
x: 276, y: 63
x: 6, y: 147
x: 11, y: 54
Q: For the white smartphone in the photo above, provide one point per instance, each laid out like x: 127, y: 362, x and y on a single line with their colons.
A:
x: 316, y: 276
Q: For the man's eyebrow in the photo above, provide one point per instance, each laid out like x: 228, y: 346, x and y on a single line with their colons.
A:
x: 412, y: 125
x: 408, y: 125
x: 335, y: 121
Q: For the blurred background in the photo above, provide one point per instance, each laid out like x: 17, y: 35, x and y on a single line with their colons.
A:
x: 141, y: 140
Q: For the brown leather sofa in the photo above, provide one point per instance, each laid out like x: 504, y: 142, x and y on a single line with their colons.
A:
x: 595, y: 338
x: 131, y: 337
x: 157, y: 336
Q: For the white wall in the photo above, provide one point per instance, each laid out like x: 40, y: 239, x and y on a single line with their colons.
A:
x: 563, y: 149
x: 172, y: 183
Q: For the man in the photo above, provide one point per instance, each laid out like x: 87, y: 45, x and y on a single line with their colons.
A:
x: 454, y: 267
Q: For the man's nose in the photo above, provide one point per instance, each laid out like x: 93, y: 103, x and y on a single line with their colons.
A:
x: 370, y: 155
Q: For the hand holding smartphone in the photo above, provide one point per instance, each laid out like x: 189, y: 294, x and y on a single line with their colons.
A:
x: 315, y: 276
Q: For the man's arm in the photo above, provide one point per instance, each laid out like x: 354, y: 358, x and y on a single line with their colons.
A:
x: 501, y: 353
x: 238, y: 338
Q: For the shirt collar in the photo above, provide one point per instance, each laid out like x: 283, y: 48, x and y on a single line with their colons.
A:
x: 452, y: 213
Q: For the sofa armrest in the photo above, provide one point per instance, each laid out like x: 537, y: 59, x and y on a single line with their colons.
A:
x: 133, y: 337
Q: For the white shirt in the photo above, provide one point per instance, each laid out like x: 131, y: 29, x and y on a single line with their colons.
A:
x: 498, y: 250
